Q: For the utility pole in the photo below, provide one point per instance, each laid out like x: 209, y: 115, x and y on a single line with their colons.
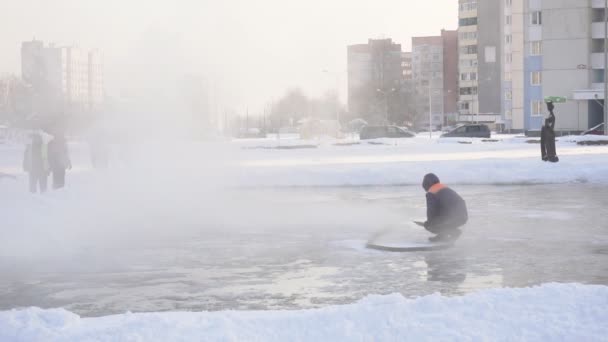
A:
x: 431, y: 108
x: 605, y: 67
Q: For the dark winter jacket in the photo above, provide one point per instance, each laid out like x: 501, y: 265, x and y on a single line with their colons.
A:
x: 35, y: 159
x: 550, y: 121
x: 444, y: 206
x: 58, y: 154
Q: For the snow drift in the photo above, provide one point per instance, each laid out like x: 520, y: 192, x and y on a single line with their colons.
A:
x: 567, y: 312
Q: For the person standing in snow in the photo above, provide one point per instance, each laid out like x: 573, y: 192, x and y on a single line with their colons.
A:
x: 59, y: 160
x: 547, y: 137
x: 35, y: 163
x: 446, y: 210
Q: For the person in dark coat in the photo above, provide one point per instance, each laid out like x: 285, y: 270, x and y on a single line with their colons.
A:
x: 35, y: 163
x: 59, y: 160
x: 446, y: 210
x: 547, y: 137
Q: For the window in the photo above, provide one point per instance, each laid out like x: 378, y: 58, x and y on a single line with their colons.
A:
x: 537, y: 108
x: 468, y: 49
x: 508, y: 58
x: 468, y: 91
x: 536, y: 48
x: 597, y: 15
x: 535, y: 78
x: 508, y: 95
x: 473, y: 129
x: 508, y: 20
x: 470, y: 5
x: 597, y: 45
x: 464, y: 105
x: 508, y: 39
x: 508, y: 114
x: 468, y: 76
x: 508, y: 76
x: 467, y: 21
x: 468, y: 63
x: 508, y: 3
x: 467, y: 35
x: 536, y: 18
x: 598, y: 75
x: 490, y: 54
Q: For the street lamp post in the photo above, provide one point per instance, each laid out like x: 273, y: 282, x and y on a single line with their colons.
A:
x: 386, y: 94
x: 431, y: 110
x: 337, y: 75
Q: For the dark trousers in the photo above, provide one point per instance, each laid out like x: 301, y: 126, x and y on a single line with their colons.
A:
x: 58, y: 178
x: 38, y: 180
x: 547, y: 144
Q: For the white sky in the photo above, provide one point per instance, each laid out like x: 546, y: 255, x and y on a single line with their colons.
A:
x: 254, y: 48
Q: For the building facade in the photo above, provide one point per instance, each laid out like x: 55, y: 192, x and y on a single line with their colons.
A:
x: 479, y: 61
x: 450, y: 75
x: 375, y: 77
x: 63, y: 79
x: 427, y: 71
x: 435, y: 78
x: 544, y: 57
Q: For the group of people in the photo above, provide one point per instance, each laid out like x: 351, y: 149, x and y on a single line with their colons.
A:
x: 447, y: 211
x: 42, y: 159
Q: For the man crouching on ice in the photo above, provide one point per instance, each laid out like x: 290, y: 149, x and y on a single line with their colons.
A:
x: 446, y: 211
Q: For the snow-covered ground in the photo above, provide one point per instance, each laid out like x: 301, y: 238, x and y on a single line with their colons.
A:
x: 552, y: 312
x: 156, y: 186
x: 504, y: 159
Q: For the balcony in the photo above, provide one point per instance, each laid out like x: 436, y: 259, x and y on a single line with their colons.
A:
x: 597, y: 60
x: 597, y: 30
x: 597, y: 3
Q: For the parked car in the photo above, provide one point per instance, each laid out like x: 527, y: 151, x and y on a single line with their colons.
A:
x: 469, y: 131
x: 596, y: 130
x: 373, y: 132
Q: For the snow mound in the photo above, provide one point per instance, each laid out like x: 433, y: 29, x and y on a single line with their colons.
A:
x: 550, y: 312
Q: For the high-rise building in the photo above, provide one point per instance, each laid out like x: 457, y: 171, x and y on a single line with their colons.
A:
x: 62, y: 78
x: 375, y: 77
x: 427, y: 70
x: 480, y: 44
x: 435, y: 75
x: 95, y: 79
x: 545, y: 57
x: 450, y: 75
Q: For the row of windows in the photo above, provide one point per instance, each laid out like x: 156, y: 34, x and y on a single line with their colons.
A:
x: 467, y: 21
x: 537, y: 107
x: 426, y: 57
x: 464, y: 105
x: 467, y: 35
x: 536, y: 49
x: 470, y: 5
x: 468, y: 76
x: 468, y: 49
x: 468, y: 91
x: 468, y: 63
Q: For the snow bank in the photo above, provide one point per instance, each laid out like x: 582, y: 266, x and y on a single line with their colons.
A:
x: 550, y: 312
x: 467, y: 168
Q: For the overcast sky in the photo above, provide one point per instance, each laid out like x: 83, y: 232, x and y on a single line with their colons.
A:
x: 255, y: 49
